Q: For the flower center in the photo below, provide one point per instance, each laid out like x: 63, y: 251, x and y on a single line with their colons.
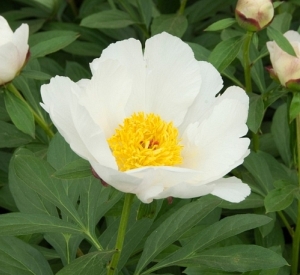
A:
x: 145, y: 140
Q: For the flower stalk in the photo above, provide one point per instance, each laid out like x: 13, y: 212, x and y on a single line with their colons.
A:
x: 248, y: 83
x: 112, y: 267
x: 39, y: 120
x: 247, y: 65
x: 296, y: 237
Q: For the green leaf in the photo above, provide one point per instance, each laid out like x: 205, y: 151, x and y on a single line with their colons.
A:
x: 201, y: 53
x: 145, y: 8
x: 211, y: 235
x: 257, y: 165
x: 280, y: 198
x: 172, y: 23
x: 282, y: 21
x: 225, y: 52
x: 175, y: 226
x: 281, y: 133
x: 221, y: 24
x: 14, y: 224
x: 77, y: 169
x: 17, y: 257
x: 281, y: 41
x: 26, y: 199
x: 256, y: 112
x: 240, y: 258
x: 252, y: 201
x: 92, y: 264
x: 49, y: 42
x: 257, y: 70
x: 110, y: 19
x: 95, y: 201
x: 83, y: 48
x: 76, y: 72
x: 20, y: 114
x: 11, y: 137
x: 35, y: 75
x: 294, y: 107
x: 147, y: 210
x: 36, y: 174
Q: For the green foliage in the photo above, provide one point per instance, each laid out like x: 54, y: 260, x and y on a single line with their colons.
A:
x: 57, y: 218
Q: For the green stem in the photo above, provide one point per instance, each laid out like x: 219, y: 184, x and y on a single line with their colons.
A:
x: 112, y: 267
x: 286, y: 223
x: 39, y: 120
x: 182, y: 7
x: 296, y: 238
x: 248, y: 83
x: 247, y: 65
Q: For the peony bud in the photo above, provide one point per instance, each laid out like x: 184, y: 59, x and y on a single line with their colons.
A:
x: 285, y: 66
x: 13, y: 50
x: 254, y: 15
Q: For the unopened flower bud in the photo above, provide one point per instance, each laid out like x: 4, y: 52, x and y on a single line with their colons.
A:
x: 13, y: 50
x: 254, y: 15
x: 285, y: 66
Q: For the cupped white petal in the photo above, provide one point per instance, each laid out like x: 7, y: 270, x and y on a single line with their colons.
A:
x: 214, y: 145
x: 93, y: 137
x: 173, y: 77
x: 9, y: 62
x: 130, y: 55
x: 165, y: 181
x: 6, y: 33
x: 20, y: 38
x: 230, y: 189
x: 286, y: 66
x: 106, y: 95
x: 121, y: 181
x: 211, y: 84
x: 292, y: 36
x: 60, y: 98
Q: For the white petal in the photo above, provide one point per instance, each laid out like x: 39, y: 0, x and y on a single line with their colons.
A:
x: 60, y: 97
x: 107, y: 94
x: 130, y: 55
x: 92, y: 137
x: 173, y: 77
x: 121, y: 181
x: 9, y: 62
x: 292, y: 36
x: 230, y: 189
x: 165, y: 181
x: 211, y: 84
x: 6, y: 33
x: 213, y: 146
x: 20, y: 39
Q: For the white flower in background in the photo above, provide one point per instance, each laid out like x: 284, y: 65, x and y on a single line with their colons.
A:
x: 285, y: 66
x: 13, y: 50
x: 254, y: 15
x: 150, y: 124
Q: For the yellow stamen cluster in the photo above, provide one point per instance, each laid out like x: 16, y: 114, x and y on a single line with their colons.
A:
x: 145, y: 140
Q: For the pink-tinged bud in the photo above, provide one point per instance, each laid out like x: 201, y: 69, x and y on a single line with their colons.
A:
x: 286, y: 67
x: 272, y: 73
x: 13, y: 50
x: 254, y: 15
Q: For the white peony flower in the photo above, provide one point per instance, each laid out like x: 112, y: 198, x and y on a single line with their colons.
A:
x: 254, y: 15
x: 285, y: 66
x: 13, y: 50
x: 150, y: 124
